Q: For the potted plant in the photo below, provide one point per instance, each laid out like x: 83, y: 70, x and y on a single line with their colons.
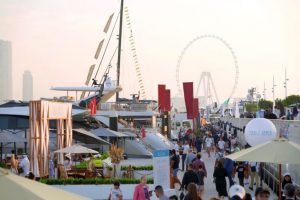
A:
x: 116, y: 155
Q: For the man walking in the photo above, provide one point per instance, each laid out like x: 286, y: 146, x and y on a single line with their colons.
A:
x: 186, y: 148
x: 159, y: 192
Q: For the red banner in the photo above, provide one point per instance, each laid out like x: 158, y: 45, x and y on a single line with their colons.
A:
x: 188, y: 97
x: 93, y: 106
x: 196, y: 108
x: 161, y: 98
x: 168, y: 100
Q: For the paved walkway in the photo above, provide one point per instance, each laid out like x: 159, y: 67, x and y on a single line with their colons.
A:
x: 210, y: 188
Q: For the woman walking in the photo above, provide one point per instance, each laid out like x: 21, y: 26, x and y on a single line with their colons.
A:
x: 192, y: 192
x: 220, y: 179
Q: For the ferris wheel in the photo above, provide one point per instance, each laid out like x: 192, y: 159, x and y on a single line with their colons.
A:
x: 193, y: 41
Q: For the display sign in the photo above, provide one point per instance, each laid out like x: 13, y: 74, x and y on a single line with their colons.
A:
x: 161, y: 168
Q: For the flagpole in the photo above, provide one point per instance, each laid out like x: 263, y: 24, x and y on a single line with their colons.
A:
x: 119, y: 50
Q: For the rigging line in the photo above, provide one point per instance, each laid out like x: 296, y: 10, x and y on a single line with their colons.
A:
x: 106, y: 46
x: 134, y: 54
x: 109, y: 64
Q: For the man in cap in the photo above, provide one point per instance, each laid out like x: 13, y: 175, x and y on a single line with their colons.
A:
x: 237, y: 192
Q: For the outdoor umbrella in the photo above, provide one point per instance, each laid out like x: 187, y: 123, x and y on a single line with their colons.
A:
x: 278, y: 151
x: 17, y: 187
x: 76, y: 149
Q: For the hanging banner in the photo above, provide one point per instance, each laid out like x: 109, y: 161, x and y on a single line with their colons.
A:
x: 93, y: 106
x: 188, y: 97
x: 196, y: 107
x: 161, y: 98
x: 168, y: 100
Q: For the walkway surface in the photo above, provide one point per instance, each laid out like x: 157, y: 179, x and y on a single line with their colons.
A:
x: 100, y: 192
x: 210, y: 188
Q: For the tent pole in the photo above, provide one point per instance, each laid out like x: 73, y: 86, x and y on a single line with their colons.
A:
x: 25, y: 143
x: 15, y: 148
x: 1, y: 148
x: 279, y: 182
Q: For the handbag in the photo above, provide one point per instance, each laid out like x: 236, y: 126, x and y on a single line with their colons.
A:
x: 181, y: 196
x: 20, y: 170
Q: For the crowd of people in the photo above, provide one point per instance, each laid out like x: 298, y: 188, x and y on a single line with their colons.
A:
x: 218, y: 143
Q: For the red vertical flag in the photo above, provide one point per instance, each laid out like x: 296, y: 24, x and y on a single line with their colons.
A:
x: 188, y: 97
x: 168, y: 100
x: 161, y: 98
x: 93, y: 106
x: 196, y: 107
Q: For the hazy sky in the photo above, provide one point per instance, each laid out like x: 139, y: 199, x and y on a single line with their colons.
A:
x: 56, y: 40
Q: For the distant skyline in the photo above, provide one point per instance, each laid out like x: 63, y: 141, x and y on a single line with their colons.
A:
x: 27, y: 86
x: 56, y: 40
x: 5, y: 70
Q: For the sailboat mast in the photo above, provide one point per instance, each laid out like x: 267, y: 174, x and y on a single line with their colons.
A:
x: 119, y: 49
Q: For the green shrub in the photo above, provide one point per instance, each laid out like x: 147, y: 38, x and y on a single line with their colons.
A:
x: 104, y: 155
x: 138, y: 168
x: 95, y: 181
x: 82, y: 165
x: 3, y: 165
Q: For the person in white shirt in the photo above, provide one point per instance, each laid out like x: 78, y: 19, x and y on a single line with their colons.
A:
x: 209, y: 144
x: 221, y: 144
x: 254, y: 169
x: 25, y: 165
x: 115, y: 192
x: 186, y: 149
x: 176, y: 147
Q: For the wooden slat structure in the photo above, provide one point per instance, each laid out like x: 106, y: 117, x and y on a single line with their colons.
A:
x: 40, y: 112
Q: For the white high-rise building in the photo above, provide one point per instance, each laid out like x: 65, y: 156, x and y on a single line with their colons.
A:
x: 27, y: 86
x: 5, y: 70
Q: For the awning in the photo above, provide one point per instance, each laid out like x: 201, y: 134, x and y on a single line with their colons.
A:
x: 87, y: 137
x: 6, y: 137
x: 130, y: 134
x: 105, y: 121
x: 105, y: 132
x: 128, y: 114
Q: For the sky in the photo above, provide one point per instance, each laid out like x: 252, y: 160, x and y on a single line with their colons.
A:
x: 56, y: 40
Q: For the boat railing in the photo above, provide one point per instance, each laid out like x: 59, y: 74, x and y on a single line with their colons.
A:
x: 126, y: 107
x: 269, y: 174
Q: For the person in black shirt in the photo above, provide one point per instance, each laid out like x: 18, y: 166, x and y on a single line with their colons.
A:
x: 189, y: 177
x: 219, y: 175
x: 240, y: 168
x: 175, y: 166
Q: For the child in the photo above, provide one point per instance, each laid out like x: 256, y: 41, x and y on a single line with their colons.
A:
x: 201, y: 175
x: 115, y: 192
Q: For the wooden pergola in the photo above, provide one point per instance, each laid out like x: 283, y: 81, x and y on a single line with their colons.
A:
x: 40, y: 113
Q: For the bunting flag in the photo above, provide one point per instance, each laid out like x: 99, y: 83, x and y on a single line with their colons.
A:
x: 161, y: 97
x: 93, y: 106
x: 188, y: 97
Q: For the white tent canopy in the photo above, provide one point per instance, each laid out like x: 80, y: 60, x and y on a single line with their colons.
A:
x: 17, y: 187
x: 76, y: 149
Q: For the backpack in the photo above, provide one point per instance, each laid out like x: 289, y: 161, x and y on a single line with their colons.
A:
x: 253, y: 168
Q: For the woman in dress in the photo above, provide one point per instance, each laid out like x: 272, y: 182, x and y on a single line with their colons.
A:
x: 141, y: 191
x: 220, y: 179
x: 14, y: 164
